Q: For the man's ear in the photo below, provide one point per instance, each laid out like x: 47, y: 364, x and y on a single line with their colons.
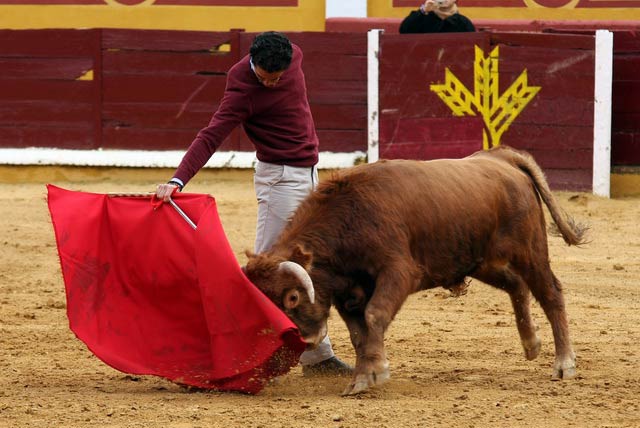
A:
x: 302, y: 257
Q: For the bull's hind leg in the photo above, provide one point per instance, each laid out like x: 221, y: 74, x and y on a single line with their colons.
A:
x: 505, y: 278
x: 367, y: 333
x: 521, y: 302
x: 546, y: 288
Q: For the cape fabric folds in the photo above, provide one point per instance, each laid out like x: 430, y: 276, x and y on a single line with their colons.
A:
x: 150, y: 295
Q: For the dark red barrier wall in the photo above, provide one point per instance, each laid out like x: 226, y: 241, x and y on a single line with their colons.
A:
x: 414, y: 122
x: 154, y: 90
x: 556, y: 126
x: 42, y: 102
x: 625, y: 132
x: 160, y: 87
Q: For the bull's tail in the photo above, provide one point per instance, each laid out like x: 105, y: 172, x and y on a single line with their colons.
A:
x: 572, y: 232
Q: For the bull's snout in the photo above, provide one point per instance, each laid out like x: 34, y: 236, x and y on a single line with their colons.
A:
x: 313, y: 340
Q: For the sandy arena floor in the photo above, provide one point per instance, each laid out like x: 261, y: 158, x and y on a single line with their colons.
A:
x: 455, y: 362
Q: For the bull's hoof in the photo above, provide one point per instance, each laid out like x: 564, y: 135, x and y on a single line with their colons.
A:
x: 363, y: 382
x: 564, y: 369
x: 531, y: 348
x: 460, y: 289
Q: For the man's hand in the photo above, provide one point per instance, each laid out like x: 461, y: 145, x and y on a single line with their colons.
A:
x: 429, y: 6
x: 164, y: 191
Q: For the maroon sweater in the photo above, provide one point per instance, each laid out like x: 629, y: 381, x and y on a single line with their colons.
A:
x: 277, y: 120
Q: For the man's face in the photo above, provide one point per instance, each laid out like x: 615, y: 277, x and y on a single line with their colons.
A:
x: 441, y: 4
x: 267, y: 79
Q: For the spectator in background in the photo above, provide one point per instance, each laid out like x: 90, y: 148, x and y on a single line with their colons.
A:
x: 436, y: 16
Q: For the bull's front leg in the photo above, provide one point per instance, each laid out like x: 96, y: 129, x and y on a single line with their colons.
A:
x: 372, y: 367
x: 367, y: 333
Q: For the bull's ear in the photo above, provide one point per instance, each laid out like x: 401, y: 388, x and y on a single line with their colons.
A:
x: 291, y: 299
x: 302, y: 257
x: 250, y: 254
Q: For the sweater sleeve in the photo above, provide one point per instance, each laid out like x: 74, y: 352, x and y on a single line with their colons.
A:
x: 233, y: 110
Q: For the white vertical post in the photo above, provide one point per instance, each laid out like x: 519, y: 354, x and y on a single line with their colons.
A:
x: 373, y: 108
x: 602, y: 114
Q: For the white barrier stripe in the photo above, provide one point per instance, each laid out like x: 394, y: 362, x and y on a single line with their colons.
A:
x: 602, y: 113
x: 151, y: 159
x: 373, y: 91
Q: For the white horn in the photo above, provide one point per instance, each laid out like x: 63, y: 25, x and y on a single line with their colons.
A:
x: 298, y: 271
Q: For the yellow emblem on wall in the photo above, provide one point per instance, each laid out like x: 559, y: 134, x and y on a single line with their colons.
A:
x: 498, y: 111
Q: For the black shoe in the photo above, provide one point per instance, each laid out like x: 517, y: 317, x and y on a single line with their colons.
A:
x: 329, y: 367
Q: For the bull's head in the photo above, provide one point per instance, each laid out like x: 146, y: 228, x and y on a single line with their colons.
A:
x: 286, y: 282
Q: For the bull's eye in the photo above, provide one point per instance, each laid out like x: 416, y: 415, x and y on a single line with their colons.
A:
x: 291, y: 299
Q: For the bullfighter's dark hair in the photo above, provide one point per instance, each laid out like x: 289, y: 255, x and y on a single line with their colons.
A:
x: 271, y: 51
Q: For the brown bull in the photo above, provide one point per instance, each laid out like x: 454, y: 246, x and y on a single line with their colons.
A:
x: 373, y: 234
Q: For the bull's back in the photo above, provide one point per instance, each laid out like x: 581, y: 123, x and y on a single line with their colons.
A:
x: 439, y: 187
x: 445, y: 214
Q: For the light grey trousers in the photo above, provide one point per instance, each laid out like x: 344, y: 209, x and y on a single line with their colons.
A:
x: 279, y: 190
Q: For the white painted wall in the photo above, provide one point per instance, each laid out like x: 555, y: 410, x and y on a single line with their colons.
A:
x: 346, y: 8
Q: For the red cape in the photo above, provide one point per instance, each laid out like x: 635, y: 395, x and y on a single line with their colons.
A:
x: 149, y: 295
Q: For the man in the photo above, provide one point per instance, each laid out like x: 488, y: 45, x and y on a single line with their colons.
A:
x: 437, y: 16
x: 266, y: 93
